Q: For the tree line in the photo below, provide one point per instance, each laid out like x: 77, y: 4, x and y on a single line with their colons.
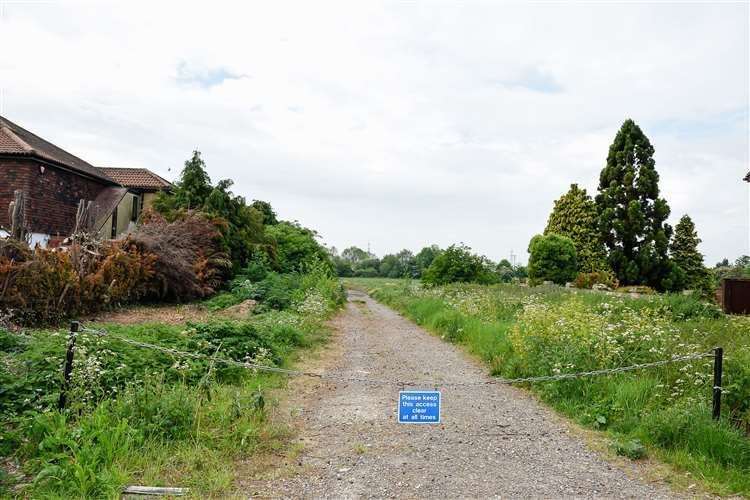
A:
x: 431, y: 264
x: 251, y: 233
x: 621, y: 236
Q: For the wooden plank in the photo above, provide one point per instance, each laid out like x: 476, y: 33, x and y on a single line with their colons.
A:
x: 154, y: 491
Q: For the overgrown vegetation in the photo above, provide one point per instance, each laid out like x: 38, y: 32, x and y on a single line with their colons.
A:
x: 180, y: 260
x: 431, y: 264
x: 664, y: 411
x: 144, y: 416
x: 574, y: 216
x: 139, y: 414
x: 552, y: 257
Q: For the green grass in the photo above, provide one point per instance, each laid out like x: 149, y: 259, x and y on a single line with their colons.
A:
x: 663, y: 412
x: 142, y: 416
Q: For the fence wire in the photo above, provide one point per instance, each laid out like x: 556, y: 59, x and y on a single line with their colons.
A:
x: 398, y: 383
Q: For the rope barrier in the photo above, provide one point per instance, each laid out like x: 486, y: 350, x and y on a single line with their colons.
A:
x: 401, y: 383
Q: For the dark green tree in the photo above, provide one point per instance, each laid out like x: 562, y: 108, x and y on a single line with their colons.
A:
x: 240, y: 224
x: 457, y: 263
x: 265, y: 208
x: 390, y: 267
x: 298, y: 247
x: 552, y: 257
x: 684, y: 253
x: 504, y: 271
x: 194, y: 186
x: 355, y: 255
x: 424, y: 258
x: 574, y: 216
x: 243, y: 230
x: 631, y: 215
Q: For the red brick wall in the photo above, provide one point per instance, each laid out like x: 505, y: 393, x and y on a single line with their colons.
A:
x: 52, y: 196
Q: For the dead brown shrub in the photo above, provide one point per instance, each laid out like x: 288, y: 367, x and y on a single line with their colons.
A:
x: 180, y: 260
x: 190, y: 262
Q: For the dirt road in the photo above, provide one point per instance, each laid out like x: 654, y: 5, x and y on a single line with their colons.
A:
x: 493, y: 440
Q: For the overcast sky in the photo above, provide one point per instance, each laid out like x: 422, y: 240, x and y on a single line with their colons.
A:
x: 401, y: 123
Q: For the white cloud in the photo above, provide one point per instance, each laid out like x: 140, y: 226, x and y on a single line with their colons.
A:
x: 397, y: 123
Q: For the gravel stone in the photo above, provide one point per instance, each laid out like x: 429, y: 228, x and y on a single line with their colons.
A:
x: 494, y: 441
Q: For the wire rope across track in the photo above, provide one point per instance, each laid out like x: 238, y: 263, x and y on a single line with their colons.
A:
x: 400, y: 383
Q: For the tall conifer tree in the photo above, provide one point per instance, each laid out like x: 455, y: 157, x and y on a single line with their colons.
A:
x: 684, y: 252
x: 631, y: 215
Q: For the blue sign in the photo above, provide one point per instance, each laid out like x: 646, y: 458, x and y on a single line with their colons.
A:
x: 419, y: 407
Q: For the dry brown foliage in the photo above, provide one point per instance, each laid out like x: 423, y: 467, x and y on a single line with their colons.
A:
x: 180, y: 260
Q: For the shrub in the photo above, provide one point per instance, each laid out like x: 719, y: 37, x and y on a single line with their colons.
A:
x: 189, y: 261
x: 588, y: 280
x: 458, y: 264
x: 50, y: 284
x: 552, y: 258
x: 297, y: 247
x: 631, y: 448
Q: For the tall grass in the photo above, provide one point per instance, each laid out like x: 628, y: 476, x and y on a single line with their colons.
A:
x: 146, y: 416
x: 521, y: 332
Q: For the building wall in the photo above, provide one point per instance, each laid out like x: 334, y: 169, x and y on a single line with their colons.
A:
x: 52, y: 194
x: 148, y: 199
x: 124, y: 216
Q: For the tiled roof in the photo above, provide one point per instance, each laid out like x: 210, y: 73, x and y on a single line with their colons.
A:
x: 16, y: 140
x: 138, y: 178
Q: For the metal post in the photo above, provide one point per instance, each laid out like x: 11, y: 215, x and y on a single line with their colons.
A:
x: 718, y: 362
x: 68, y: 366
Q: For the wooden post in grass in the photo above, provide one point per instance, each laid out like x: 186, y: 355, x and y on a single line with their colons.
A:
x: 68, y: 366
x: 718, y: 368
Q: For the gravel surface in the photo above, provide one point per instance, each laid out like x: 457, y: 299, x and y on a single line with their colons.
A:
x: 494, y: 441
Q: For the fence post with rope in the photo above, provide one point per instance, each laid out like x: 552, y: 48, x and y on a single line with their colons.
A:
x: 718, y: 371
x: 68, y: 365
x: 717, y: 354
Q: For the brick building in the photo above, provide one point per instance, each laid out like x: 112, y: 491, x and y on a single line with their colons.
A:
x: 55, y: 181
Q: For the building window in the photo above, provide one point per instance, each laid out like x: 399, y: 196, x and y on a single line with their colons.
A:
x: 134, y: 215
x: 114, y: 223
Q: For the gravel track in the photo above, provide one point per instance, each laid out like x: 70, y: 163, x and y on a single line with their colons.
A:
x: 494, y: 441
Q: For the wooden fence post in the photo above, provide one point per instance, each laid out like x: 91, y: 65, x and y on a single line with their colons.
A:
x: 68, y: 366
x: 718, y: 369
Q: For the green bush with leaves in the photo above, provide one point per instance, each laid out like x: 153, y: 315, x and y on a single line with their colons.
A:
x: 588, y: 280
x: 297, y: 247
x: 552, y: 257
x: 129, y: 406
x: 242, y: 225
x: 457, y: 263
x: 574, y: 215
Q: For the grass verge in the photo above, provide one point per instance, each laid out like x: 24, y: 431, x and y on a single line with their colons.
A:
x: 663, y: 412
x: 141, y: 416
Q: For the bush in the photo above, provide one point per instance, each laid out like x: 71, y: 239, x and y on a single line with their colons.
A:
x: 51, y: 284
x: 588, y: 280
x: 178, y: 260
x: 297, y: 247
x: 458, y: 264
x: 552, y: 258
x: 189, y: 261
x: 632, y: 448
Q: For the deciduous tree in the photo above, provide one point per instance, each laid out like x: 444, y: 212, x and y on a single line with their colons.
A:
x: 552, y: 258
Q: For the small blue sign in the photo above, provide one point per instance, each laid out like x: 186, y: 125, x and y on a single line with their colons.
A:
x: 419, y: 407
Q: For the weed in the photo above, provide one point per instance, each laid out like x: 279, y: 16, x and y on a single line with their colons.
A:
x: 632, y: 448
x: 522, y: 332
